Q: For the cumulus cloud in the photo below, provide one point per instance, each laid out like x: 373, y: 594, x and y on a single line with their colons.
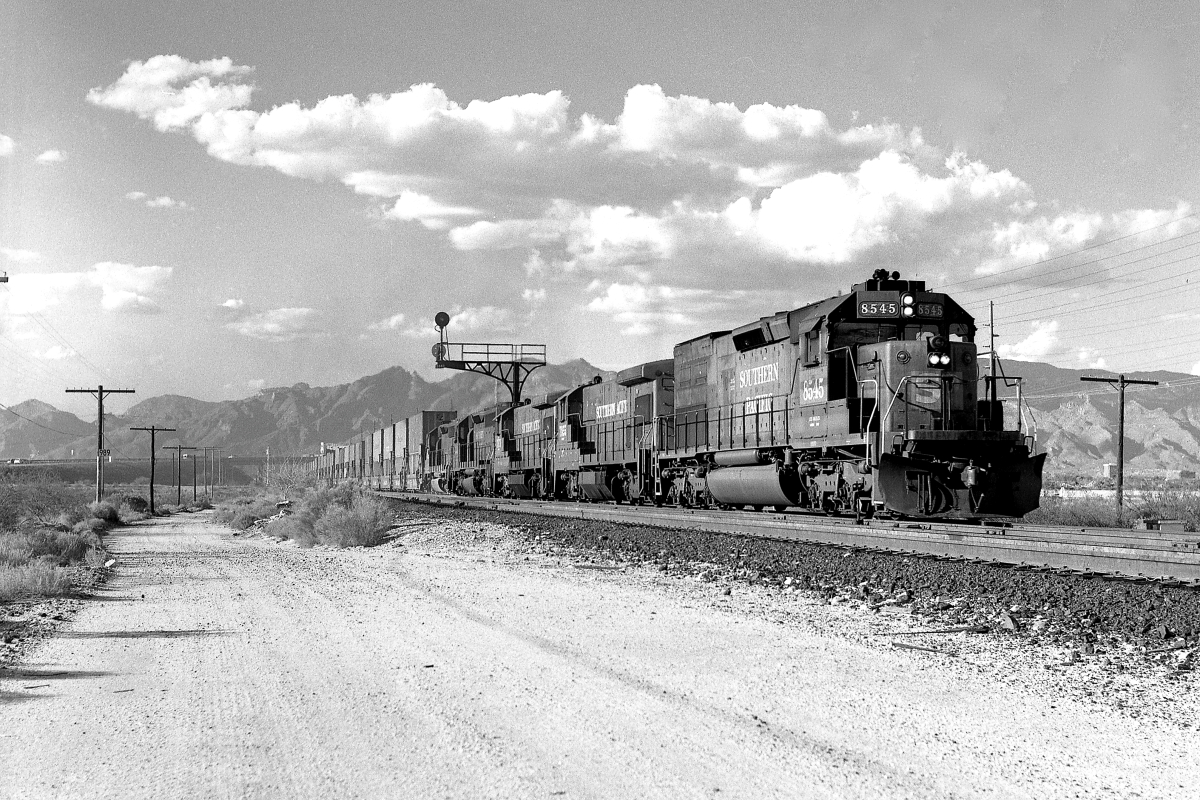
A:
x: 675, y: 191
x: 414, y: 207
x: 1091, y: 359
x: 1042, y: 339
x: 19, y: 256
x: 51, y: 157
x: 645, y: 309
x: 233, y: 303
x: 161, y: 201
x: 279, y: 325
x: 123, y: 288
x: 7, y: 146
x: 150, y: 90
x: 57, y: 353
x: 392, y: 323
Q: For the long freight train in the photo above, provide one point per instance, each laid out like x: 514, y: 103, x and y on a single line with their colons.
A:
x: 865, y: 403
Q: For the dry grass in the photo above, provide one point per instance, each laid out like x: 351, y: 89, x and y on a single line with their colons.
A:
x: 1101, y: 512
x: 33, y: 580
x: 1078, y: 512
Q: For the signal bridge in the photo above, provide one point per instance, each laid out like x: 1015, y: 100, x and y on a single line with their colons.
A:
x: 510, y: 364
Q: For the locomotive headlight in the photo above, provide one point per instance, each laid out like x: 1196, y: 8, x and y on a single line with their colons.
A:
x: 944, y: 359
x: 908, y: 311
x: 907, y: 299
x: 934, y: 359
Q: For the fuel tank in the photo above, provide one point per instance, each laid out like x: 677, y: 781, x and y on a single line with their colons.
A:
x: 766, y: 485
x: 468, y: 485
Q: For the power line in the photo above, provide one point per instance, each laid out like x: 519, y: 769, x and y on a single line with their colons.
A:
x: 38, y: 424
x: 1087, y: 248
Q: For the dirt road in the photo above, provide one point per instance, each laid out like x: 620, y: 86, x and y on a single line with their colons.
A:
x: 458, y: 665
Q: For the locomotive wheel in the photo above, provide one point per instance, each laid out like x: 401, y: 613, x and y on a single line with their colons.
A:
x: 780, y: 508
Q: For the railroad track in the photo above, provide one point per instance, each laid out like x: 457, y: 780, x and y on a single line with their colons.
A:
x: 1111, y: 552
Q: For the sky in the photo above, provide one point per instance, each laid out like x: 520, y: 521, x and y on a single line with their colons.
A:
x: 212, y: 198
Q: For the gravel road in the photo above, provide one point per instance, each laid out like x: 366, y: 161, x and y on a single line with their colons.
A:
x: 460, y: 661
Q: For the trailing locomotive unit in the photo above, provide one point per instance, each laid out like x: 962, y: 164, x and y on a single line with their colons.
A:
x: 858, y: 403
x: 470, y: 447
x: 524, y: 462
x: 605, y: 448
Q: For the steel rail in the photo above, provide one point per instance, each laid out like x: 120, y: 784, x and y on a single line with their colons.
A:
x: 1103, y: 551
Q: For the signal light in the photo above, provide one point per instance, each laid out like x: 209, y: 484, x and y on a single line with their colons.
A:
x: 908, y: 311
x: 934, y: 359
x: 907, y: 299
x: 944, y: 359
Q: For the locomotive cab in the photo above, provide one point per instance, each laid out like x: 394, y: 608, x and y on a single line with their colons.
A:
x: 938, y: 449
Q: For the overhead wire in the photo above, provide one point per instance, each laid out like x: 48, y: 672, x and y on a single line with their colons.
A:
x: 38, y: 424
x: 1034, y: 264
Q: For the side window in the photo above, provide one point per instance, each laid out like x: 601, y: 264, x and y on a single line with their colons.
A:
x: 812, y: 347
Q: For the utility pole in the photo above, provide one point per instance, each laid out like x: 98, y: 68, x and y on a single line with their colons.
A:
x: 194, y: 478
x: 210, y: 458
x: 153, y: 451
x: 99, y: 392
x: 1119, y: 384
x: 178, y: 448
x: 992, y: 347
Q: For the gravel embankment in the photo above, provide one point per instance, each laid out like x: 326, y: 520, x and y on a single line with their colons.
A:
x: 1114, y: 620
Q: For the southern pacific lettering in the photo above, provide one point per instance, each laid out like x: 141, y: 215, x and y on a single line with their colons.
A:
x: 616, y: 409
x: 757, y: 376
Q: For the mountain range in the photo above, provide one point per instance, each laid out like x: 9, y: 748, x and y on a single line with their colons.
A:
x: 1073, y: 421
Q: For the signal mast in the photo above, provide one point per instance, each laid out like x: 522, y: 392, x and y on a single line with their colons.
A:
x: 508, y: 363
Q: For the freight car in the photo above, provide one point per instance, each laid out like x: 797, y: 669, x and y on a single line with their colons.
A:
x: 864, y: 403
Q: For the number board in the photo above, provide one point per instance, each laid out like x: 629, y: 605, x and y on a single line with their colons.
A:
x: 878, y: 308
x: 929, y: 309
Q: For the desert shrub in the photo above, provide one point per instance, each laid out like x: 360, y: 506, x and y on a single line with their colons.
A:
x: 90, y: 525
x: 133, y: 501
x: 34, y: 579
x: 36, y: 497
x: 242, y: 512
x: 68, y: 519
x: 297, y: 527
x: 318, y: 501
x: 364, y: 524
x: 1168, y: 505
x: 291, y: 476
x: 106, y: 511
x: 128, y: 513
x: 201, y: 503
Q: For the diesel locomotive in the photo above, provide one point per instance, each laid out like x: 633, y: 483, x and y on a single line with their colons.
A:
x: 865, y: 403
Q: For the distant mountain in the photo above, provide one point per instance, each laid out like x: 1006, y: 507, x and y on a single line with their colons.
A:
x: 286, y: 419
x: 34, y: 429
x: 1075, y: 422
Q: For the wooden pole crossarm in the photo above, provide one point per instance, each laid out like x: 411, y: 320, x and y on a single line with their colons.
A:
x: 1119, y: 383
